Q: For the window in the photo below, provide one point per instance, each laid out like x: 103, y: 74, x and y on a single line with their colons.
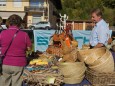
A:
x: 2, y: 2
x: 38, y: 3
x: 17, y: 3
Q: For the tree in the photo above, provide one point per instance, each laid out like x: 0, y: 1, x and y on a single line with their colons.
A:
x: 109, y: 3
x: 80, y: 9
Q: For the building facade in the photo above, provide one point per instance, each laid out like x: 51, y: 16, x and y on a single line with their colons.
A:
x: 9, y: 7
x: 31, y: 11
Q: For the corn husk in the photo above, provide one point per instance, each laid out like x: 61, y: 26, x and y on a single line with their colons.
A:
x: 65, y: 48
x: 74, y: 43
x: 70, y: 57
x: 56, y: 37
x: 55, y: 51
x: 85, y: 46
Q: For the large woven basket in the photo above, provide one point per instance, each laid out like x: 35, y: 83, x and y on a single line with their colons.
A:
x: 68, y: 68
x: 90, y: 55
x: 100, y: 79
x: 101, y: 59
x: 73, y: 72
x: 106, y: 65
x: 73, y: 80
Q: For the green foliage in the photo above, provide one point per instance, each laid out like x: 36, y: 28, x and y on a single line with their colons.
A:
x: 109, y: 3
x: 109, y: 16
x: 80, y: 9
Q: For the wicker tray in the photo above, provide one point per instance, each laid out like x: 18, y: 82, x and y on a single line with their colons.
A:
x: 40, y: 79
x: 100, y: 79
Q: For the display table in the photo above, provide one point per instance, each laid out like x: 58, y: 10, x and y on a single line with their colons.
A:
x: 85, y: 82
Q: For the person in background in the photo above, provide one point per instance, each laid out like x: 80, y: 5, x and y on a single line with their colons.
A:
x: 100, y: 33
x: 0, y: 22
x: 15, y: 59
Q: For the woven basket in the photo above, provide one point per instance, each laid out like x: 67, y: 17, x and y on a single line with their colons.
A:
x: 101, y: 60
x: 69, y: 68
x: 113, y: 48
x: 90, y: 55
x: 104, y: 66
x: 73, y: 72
x: 100, y: 79
x: 73, y: 80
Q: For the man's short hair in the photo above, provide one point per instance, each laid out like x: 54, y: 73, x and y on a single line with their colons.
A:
x: 97, y: 11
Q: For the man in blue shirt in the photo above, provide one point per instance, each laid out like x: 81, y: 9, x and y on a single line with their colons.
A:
x: 100, y: 33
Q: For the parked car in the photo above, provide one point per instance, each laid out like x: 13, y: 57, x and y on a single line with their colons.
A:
x: 41, y: 25
x: 3, y: 26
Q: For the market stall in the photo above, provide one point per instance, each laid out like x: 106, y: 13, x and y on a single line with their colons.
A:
x: 64, y: 63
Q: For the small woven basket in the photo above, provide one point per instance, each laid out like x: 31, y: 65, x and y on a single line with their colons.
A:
x: 100, y: 79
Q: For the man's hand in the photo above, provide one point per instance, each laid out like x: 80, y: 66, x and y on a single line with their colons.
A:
x: 99, y: 45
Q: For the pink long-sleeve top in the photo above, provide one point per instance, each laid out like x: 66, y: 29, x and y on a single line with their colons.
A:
x: 16, y: 55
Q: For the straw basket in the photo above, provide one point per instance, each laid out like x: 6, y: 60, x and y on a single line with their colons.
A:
x: 73, y: 80
x: 100, y: 79
x: 106, y: 65
x: 69, y: 69
x: 90, y: 55
x: 101, y: 59
x: 113, y: 48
